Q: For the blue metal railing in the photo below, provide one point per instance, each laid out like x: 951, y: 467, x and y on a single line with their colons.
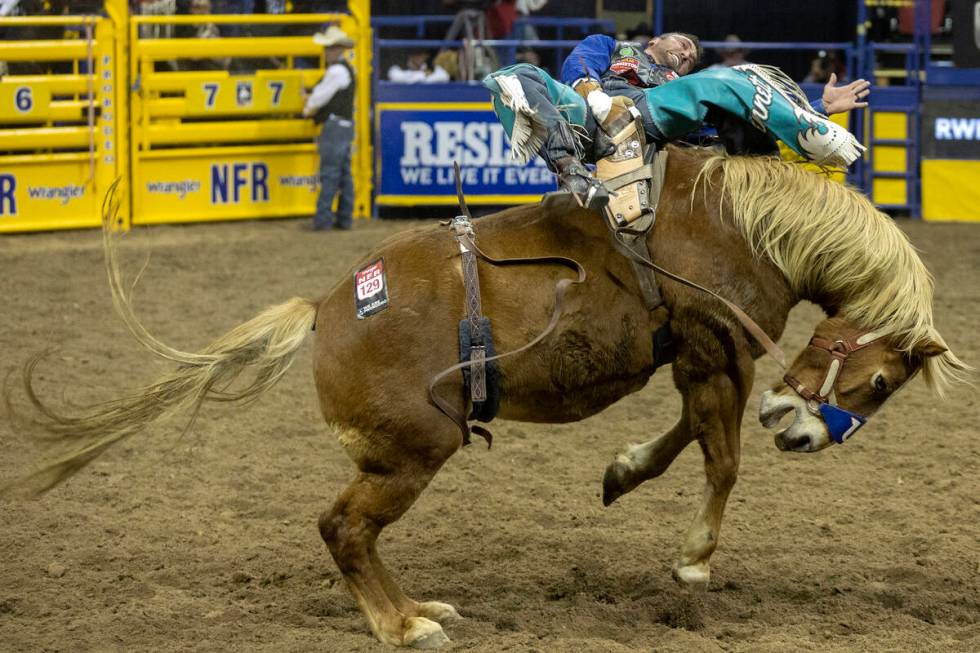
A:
x: 421, y: 23
x: 506, y: 49
x: 900, y: 98
x: 861, y: 57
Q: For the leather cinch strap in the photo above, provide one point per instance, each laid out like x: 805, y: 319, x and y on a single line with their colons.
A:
x: 636, y: 238
x: 474, y: 315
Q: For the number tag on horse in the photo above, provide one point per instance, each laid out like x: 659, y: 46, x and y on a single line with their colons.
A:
x: 371, y: 289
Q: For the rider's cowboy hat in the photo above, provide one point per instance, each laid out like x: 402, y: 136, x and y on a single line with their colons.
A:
x: 333, y: 37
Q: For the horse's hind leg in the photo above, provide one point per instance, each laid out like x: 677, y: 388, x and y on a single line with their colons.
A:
x: 389, y: 482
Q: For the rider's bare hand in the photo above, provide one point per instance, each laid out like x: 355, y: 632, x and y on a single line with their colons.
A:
x: 838, y: 99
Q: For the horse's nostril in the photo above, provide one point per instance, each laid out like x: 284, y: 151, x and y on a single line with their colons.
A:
x: 802, y: 443
x: 787, y: 442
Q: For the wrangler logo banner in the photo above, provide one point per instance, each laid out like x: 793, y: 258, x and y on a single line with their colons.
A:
x: 58, y: 191
x: 418, y: 144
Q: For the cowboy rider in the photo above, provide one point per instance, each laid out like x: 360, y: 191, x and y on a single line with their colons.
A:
x: 544, y: 116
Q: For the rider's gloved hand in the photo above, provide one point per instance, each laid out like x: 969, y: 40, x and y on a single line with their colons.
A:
x: 600, y: 103
x: 618, y: 117
x: 612, y: 113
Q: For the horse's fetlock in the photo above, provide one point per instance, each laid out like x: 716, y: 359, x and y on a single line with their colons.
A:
x: 629, y: 456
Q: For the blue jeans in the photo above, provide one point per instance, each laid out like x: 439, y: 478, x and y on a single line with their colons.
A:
x: 335, y: 145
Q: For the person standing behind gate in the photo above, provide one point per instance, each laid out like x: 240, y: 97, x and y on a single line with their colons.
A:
x: 331, y: 104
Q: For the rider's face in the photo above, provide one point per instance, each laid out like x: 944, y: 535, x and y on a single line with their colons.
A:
x: 674, y: 51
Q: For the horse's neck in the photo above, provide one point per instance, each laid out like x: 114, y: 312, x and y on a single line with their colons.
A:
x: 695, y: 237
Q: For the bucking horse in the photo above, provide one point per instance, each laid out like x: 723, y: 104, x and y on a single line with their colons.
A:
x: 761, y: 233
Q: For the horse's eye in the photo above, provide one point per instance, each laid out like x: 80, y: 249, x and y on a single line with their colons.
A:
x: 880, y: 386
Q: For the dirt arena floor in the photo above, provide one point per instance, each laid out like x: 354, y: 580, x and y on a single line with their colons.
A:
x: 208, y: 542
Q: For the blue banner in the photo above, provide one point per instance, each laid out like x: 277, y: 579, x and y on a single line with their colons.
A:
x: 417, y: 148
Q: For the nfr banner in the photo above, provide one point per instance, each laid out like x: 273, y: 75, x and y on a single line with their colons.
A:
x: 418, y: 143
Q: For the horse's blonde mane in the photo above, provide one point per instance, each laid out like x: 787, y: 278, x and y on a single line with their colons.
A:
x: 833, y: 244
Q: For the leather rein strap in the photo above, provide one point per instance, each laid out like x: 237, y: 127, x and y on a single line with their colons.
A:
x: 747, y: 322
x: 466, y: 242
x: 632, y: 243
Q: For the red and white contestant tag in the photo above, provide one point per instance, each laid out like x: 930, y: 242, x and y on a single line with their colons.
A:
x: 371, y: 289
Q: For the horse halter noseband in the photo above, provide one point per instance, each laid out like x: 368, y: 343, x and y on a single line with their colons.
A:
x: 841, y: 423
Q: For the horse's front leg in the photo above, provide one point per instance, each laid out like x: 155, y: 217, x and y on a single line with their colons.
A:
x: 713, y: 403
x: 642, y: 462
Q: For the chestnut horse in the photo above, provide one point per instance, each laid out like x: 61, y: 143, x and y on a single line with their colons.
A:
x: 761, y: 232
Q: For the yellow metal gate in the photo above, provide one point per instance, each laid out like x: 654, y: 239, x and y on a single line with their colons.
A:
x: 97, y: 98
x: 62, y: 121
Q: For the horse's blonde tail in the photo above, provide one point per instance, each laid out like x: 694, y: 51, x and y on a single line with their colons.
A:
x: 265, y: 345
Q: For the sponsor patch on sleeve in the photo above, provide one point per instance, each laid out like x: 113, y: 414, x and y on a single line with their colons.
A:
x: 371, y: 289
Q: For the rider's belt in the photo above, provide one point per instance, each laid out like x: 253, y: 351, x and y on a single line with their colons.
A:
x: 340, y: 120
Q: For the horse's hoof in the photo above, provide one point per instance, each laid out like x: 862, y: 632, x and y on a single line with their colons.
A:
x: 436, y: 611
x: 424, y: 633
x: 614, y: 482
x: 693, y: 577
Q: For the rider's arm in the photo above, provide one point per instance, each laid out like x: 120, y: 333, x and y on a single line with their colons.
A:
x: 590, y: 58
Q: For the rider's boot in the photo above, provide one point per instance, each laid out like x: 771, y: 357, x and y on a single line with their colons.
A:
x: 563, y: 150
x: 576, y: 179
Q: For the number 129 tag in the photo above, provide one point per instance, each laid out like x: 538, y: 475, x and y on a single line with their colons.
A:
x: 371, y: 289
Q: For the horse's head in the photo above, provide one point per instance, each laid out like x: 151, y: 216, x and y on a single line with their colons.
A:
x: 837, y: 382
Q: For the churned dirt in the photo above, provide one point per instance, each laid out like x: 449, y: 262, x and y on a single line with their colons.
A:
x: 208, y: 541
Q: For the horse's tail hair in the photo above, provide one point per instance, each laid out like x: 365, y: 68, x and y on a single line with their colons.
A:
x: 265, y: 345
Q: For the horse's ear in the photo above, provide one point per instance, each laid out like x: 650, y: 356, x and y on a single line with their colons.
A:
x: 929, y: 349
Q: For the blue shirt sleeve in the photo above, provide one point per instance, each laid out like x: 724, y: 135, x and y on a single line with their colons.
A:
x: 817, y: 106
x: 590, y: 58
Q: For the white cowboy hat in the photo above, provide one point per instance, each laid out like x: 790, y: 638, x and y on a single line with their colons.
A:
x: 334, y: 36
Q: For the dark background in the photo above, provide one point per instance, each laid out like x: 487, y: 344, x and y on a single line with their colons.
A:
x: 751, y: 20
x: 966, y: 53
